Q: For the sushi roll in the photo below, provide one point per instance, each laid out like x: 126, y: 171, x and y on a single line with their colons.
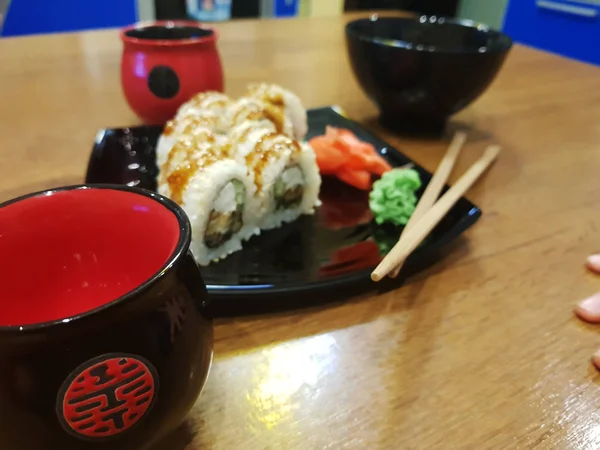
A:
x: 285, y: 101
x: 285, y: 173
x: 237, y: 167
x: 199, y: 115
x: 201, y: 124
x: 258, y: 114
x: 215, y: 191
x: 215, y: 102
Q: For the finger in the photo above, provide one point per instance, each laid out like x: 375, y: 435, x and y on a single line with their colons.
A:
x: 589, y: 309
x: 596, y: 359
x: 593, y: 263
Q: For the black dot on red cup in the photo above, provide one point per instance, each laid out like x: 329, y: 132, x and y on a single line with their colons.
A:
x: 163, y: 82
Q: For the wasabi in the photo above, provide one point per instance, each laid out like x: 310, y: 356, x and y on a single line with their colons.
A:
x: 393, y: 198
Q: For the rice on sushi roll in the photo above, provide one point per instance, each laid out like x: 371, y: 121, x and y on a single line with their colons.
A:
x: 188, y: 126
x: 201, y: 114
x: 286, y: 175
x: 215, y: 191
x: 285, y: 101
x: 257, y: 113
x: 213, y: 101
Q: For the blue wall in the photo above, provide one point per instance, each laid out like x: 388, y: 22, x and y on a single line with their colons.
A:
x: 51, y: 16
x: 286, y: 8
x: 567, y: 28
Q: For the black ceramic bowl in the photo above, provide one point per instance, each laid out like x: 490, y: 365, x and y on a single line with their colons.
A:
x: 104, y: 340
x: 420, y: 71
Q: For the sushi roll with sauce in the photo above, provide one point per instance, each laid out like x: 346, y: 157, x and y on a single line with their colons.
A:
x: 257, y: 114
x: 215, y: 191
x: 237, y: 167
x: 189, y: 126
x: 201, y: 114
x: 285, y: 173
x: 215, y: 102
x: 284, y: 101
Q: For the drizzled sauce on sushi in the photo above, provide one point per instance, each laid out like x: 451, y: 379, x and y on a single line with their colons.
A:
x: 209, y: 99
x: 196, y: 156
x: 255, y: 112
x: 297, y: 148
x: 262, y: 155
x: 201, y: 111
x: 277, y: 100
x: 201, y: 125
x: 190, y: 124
x: 244, y: 136
x: 276, y: 116
x: 179, y: 178
x: 169, y: 128
x: 264, y: 92
x: 258, y: 159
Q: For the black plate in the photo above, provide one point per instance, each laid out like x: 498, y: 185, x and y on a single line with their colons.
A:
x: 317, y: 258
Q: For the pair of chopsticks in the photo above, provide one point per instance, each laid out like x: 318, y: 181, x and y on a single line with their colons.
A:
x: 429, y: 212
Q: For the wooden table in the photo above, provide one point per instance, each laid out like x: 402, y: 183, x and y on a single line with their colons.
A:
x: 479, y: 352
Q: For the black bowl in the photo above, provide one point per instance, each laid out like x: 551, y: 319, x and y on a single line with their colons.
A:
x: 420, y: 71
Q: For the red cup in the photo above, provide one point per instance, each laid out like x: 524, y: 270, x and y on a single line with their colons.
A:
x: 165, y: 63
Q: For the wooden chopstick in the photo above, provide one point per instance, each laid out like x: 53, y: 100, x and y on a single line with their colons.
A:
x: 423, y: 227
x: 433, y: 189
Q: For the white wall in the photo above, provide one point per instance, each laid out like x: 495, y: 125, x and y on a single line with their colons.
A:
x: 145, y: 10
x: 490, y: 12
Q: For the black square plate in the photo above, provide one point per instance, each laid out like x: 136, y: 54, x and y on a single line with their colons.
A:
x: 316, y: 259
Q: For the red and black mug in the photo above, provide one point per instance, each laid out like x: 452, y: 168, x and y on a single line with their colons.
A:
x: 105, y: 341
x: 165, y: 63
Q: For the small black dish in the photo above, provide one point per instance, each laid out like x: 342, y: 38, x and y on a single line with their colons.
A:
x: 320, y: 258
x: 420, y: 71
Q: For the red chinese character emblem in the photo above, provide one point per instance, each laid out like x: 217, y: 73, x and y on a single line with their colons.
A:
x: 107, y: 395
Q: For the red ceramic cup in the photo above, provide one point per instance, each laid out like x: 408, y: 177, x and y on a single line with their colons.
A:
x: 166, y: 63
x: 105, y: 342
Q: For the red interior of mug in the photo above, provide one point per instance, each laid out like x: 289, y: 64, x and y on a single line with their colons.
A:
x: 65, y: 253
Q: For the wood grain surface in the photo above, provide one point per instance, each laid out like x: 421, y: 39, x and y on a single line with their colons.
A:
x: 479, y: 352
